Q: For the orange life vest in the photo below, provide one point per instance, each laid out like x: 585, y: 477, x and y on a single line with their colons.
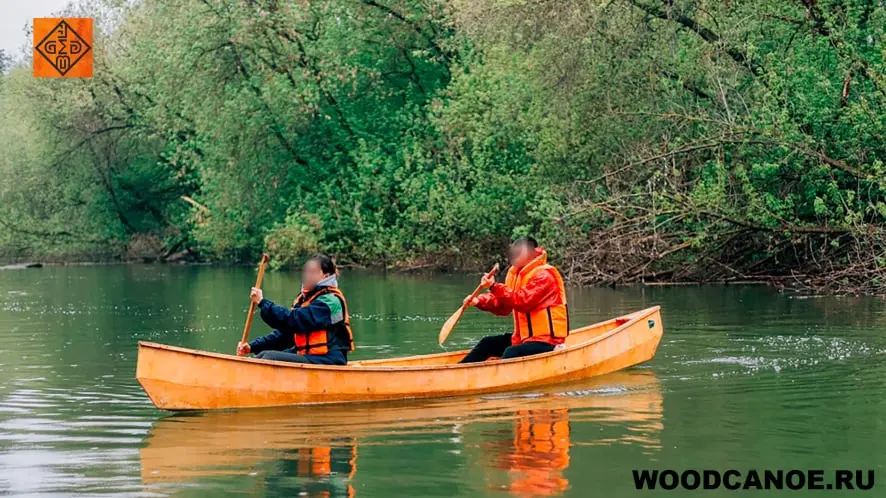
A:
x: 552, y: 320
x: 316, y: 342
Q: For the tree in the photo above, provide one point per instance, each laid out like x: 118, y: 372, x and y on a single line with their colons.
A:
x: 642, y: 140
x: 5, y: 61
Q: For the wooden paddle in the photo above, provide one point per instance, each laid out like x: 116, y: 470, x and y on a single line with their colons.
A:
x: 450, y: 323
x: 261, y: 274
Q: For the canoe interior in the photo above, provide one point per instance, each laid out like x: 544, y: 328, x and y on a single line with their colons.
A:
x: 576, y: 336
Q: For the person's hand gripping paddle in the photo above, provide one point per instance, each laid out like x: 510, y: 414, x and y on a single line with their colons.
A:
x: 453, y: 320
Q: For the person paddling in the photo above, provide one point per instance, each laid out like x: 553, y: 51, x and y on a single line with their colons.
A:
x: 534, y: 292
x: 317, y: 329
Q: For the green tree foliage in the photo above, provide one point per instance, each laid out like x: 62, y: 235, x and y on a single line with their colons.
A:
x: 642, y: 139
x: 702, y: 140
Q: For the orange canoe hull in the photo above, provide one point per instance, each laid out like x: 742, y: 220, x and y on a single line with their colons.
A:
x: 187, y: 379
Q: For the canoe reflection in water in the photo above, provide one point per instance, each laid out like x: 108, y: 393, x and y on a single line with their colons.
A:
x: 322, y: 471
x: 310, y: 467
x: 312, y: 450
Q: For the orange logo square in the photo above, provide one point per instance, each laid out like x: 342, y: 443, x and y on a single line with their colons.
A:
x: 63, y: 47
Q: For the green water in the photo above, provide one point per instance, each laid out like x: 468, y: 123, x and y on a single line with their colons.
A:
x: 744, y: 378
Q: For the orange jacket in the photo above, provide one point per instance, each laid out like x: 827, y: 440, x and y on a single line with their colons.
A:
x: 537, y: 298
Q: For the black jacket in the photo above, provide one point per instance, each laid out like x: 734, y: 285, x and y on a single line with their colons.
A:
x: 326, y: 312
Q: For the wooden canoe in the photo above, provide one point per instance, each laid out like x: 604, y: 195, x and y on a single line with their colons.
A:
x: 186, y: 379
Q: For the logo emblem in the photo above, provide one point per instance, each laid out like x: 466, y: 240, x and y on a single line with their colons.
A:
x: 63, y: 48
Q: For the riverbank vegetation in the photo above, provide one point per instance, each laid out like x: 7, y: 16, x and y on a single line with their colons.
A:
x: 683, y: 140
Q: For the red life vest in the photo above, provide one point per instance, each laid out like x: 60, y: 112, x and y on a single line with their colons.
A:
x: 316, y: 342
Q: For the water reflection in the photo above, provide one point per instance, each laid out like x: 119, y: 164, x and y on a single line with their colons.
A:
x: 624, y: 408
x: 538, y: 454
x: 324, y: 471
x: 312, y: 451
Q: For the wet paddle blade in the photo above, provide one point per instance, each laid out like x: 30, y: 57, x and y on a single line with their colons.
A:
x: 449, y: 325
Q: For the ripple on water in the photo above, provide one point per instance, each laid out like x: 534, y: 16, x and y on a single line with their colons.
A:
x: 394, y: 317
x: 44, y: 471
x: 777, y: 353
x: 58, y: 440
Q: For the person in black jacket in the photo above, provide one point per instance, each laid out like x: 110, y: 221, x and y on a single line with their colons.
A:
x: 317, y: 329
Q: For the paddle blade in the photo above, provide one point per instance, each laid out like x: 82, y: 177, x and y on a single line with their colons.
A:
x: 449, y: 325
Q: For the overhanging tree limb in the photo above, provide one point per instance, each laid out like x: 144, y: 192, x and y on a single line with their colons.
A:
x: 46, y: 234
x: 431, y: 39
x: 704, y: 33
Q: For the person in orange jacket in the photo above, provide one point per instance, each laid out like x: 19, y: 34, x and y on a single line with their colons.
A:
x: 534, y: 293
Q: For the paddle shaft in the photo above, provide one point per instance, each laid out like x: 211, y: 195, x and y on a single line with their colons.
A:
x: 453, y: 320
x: 261, y: 274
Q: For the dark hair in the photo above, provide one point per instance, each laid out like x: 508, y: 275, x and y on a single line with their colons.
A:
x: 526, y: 241
x: 327, y: 265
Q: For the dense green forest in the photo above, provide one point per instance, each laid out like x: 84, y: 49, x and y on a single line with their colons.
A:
x: 668, y: 140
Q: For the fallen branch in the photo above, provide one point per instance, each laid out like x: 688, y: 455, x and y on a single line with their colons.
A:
x: 196, y: 204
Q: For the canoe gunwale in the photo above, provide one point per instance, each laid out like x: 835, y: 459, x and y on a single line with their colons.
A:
x: 370, y: 366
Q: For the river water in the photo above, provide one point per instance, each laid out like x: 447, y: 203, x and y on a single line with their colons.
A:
x: 745, y: 378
